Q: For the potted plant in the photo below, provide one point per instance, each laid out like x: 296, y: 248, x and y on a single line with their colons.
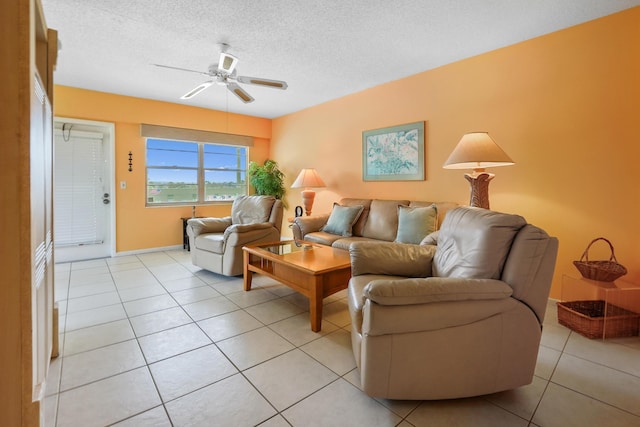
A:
x: 267, y: 179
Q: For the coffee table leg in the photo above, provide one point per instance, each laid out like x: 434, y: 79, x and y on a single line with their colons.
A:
x: 246, y: 273
x: 315, y: 304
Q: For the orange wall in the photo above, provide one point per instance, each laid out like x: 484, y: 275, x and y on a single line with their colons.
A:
x: 139, y: 227
x: 564, y: 106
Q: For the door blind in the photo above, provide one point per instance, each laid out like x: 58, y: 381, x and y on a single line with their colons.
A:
x: 78, y: 188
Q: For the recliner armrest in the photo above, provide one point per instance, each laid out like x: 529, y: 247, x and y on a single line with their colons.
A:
x: 243, y: 228
x: 309, y: 224
x: 391, y: 259
x: 196, y: 226
x: 434, y: 289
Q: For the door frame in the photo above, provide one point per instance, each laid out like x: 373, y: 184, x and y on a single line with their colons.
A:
x: 109, y: 130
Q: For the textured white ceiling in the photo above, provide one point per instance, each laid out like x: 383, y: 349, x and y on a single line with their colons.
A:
x: 322, y: 49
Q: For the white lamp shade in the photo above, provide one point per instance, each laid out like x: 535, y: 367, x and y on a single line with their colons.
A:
x: 308, y: 178
x: 477, y: 150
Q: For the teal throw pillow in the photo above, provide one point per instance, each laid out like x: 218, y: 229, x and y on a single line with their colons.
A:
x: 414, y: 223
x: 342, y: 219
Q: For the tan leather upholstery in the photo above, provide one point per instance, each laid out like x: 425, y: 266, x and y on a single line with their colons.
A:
x: 216, y: 243
x: 471, y: 327
x: 377, y: 222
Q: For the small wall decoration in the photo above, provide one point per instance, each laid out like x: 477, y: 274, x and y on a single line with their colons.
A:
x: 130, y: 161
x: 394, y: 153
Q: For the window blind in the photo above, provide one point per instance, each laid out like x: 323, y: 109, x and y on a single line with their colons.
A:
x: 180, y: 134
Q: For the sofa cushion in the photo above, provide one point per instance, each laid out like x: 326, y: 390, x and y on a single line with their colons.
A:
x: 414, y: 223
x: 322, y: 238
x: 382, y: 223
x: 212, y: 242
x: 341, y: 220
x: 251, y: 209
x: 474, y: 243
x: 362, y: 219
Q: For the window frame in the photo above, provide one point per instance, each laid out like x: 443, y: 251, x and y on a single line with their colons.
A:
x: 200, y: 173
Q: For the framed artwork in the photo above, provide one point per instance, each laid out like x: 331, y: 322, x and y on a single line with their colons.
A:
x: 394, y: 153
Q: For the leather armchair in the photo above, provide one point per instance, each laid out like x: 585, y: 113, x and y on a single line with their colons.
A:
x: 216, y: 243
x: 457, y: 319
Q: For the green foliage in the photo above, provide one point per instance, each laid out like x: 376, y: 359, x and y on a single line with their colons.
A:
x: 267, y: 180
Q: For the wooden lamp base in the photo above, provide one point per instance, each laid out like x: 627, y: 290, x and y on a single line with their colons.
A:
x: 479, y: 183
x: 308, y: 197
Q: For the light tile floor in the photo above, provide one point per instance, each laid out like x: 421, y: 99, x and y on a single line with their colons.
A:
x: 151, y: 340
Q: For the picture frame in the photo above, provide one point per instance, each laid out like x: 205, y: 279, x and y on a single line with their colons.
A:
x: 394, y: 153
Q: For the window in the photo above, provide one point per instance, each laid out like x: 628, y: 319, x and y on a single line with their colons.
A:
x: 180, y: 172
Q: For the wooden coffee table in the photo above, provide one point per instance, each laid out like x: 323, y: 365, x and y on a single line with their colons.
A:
x: 315, y: 271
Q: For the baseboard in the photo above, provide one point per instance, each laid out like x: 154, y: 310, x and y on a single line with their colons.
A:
x: 149, y: 250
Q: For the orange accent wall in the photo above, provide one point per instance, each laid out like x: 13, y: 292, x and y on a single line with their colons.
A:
x: 564, y: 106
x: 139, y: 227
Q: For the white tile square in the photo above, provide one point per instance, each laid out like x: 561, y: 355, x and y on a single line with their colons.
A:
x: 600, y: 382
x: 96, y: 316
x: 170, y: 271
x: 107, y: 401
x: 333, y: 351
x: 472, y: 412
x: 190, y: 371
x: 340, y: 404
x: 92, y: 301
x: 254, y: 347
x: 289, y: 378
x: 297, y: 329
x: 176, y: 285
x: 228, y: 325
x: 140, y: 292
x: 229, y: 402
x: 97, y: 336
x: 103, y: 362
x: 92, y: 289
x: 209, y: 307
x: 159, y: 321
x: 562, y: 407
x: 274, y: 311
x: 191, y: 295
x: 149, y: 305
x: 171, y: 342
x: 245, y: 299
x: 156, y: 417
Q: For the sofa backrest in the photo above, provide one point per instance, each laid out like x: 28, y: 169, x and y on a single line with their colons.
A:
x: 379, y: 219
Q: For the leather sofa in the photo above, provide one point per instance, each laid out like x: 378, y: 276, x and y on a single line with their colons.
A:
x: 216, y: 243
x: 378, y: 221
x: 457, y: 319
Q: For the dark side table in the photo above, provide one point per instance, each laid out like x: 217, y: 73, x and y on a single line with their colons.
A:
x: 185, y: 236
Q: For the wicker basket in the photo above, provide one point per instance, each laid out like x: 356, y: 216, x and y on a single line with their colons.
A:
x: 603, y: 271
x: 587, y: 318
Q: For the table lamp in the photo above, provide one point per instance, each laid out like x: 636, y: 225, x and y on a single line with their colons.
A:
x: 477, y: 151
x: 308, y: 178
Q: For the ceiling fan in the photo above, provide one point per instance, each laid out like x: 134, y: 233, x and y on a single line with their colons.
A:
x: 224, y: 73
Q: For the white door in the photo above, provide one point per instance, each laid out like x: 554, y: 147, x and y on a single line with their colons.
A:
x: 83, y: 190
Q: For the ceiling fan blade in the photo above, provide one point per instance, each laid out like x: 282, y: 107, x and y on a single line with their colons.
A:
x: 181, y: 69
x: 240, y: 93
x: 193, y: 92
x: 275, y: 84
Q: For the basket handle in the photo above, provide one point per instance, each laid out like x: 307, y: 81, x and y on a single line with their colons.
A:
x: 585, y: 254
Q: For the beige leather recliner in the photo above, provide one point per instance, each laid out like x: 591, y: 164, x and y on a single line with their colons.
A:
x: 216, y: 243
x: 462, y: 318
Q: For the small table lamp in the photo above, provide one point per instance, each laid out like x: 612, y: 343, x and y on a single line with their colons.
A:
x: 477, y: 151
x: 306, y: 179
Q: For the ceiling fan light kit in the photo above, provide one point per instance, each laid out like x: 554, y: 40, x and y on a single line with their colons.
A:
x: 224, y: 74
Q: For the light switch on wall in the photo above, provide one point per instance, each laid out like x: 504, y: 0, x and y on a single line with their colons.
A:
x: 123, y: 184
